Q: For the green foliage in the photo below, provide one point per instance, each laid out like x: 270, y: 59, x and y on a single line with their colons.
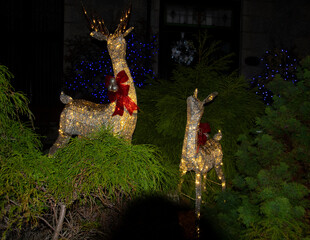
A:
x: 12, y: 103
x: 19, y: 197
x: 273, y: 167
x: 109, y: 164
x: 15, y: 136
x: 102, y: 168
x: 23, y: 196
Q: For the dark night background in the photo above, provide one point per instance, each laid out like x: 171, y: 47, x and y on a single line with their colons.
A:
x: 34, y: 32
x: 35, y: 46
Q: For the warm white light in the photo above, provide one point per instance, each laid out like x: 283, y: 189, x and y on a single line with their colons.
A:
x: 205, y: 158
x: 83, y: 117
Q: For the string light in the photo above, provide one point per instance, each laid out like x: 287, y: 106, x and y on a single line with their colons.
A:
x: 88, y: 74
x: 276, y: 61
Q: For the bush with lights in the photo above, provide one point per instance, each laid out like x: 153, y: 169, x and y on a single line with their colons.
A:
x: 276, y: 62
x: 90, y: 63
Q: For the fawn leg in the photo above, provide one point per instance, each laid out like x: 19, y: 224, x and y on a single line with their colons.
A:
x: 198, y: 201
x: 220, y: 174
x: 198, y: 193
x: 204, y: 181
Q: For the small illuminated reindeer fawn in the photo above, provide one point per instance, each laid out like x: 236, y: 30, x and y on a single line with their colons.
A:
x: 205, y: 158
x: 80, y: 117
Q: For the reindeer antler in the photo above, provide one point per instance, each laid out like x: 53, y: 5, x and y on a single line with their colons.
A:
x: 121, y: 28
x: 101, y: 32
x: 96, y: 24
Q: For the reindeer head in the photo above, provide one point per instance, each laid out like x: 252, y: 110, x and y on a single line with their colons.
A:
x: 196, y: 107
x: 115, y: 41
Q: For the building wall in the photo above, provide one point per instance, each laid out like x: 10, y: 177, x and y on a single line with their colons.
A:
x: 254, y: 39
x: 264, y: 25
x: 182, y: 19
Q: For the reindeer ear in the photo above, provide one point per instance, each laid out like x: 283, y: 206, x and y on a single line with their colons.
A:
x: 128, y: 31
x: 210, y: 97
x: 99, y: 36
x: 195, y: 95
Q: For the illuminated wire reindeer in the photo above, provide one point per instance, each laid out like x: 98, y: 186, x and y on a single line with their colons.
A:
x: 80, y: 117
x: 205, y: 158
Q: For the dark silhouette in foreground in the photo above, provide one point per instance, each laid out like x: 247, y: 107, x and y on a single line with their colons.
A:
x: 160, y: 218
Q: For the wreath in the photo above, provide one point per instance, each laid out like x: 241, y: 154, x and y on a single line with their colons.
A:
x: 183, y: 52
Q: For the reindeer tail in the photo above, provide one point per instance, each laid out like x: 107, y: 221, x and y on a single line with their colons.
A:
x: 65, y: 99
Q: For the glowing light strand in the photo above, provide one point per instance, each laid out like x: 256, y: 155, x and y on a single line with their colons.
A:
x: 89, y: 75
x: 276, y: 61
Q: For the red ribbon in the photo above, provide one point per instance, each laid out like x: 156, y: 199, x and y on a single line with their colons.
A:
x: 202, y: 138
x: 121, y: 96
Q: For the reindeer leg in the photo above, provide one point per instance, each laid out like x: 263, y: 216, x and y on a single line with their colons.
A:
x: 220, y: 174
x: 60, y: 142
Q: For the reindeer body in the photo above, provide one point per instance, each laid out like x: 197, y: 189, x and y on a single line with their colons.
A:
x: 205, y: 158
x: 209, y: 156
x: 81, y: 117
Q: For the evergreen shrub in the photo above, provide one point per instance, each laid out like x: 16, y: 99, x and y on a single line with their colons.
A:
x: 162, y: 119
x: 102, y: 169
x: 15, y: 135
x: 270, y: 194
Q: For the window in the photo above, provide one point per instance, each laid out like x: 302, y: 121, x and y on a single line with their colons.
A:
x: 190, y: 16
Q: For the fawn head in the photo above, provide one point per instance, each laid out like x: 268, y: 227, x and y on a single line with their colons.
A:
x: 195, y: 106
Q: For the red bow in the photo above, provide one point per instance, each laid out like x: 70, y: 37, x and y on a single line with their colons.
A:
x: 202, y: 138
x: 121, y: 96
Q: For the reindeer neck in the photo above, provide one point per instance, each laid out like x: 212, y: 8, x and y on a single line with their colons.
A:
x: 192, y: 139
x: 120, y: 64
x: 191, y: 134
x: 117, y: 51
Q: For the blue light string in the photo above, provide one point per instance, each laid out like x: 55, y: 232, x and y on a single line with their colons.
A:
x: 89, y: 75
x: 286, y: 69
